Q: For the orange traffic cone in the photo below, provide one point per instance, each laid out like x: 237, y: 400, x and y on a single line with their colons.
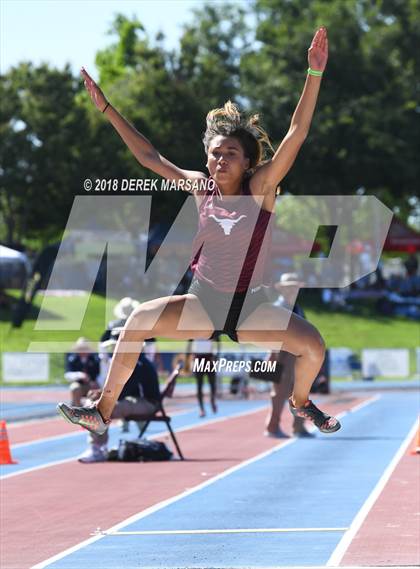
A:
x: 416, y: 447
x: 5, y: 456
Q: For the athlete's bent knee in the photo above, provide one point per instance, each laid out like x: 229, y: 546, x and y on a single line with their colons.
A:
x: 143, y: 319
x: 316, y: 346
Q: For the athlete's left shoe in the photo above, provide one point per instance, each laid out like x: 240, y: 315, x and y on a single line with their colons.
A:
x: 87, y: 417
x: 324, y: 422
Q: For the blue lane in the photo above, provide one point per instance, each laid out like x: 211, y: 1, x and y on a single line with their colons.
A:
x: 311, y: 483
x: 18, y: 411
x: 23, y: 410
x: 69, y: 446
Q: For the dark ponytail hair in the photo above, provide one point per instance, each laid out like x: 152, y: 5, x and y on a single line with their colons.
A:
x: 229, y: 121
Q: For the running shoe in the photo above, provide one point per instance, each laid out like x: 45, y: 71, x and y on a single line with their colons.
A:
x: 324, y: 422
x: 87, y: 417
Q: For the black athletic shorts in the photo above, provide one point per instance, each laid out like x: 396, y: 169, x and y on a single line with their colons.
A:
x: 227, y: 316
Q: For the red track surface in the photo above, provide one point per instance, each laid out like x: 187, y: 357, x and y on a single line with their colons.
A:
x: 49, y: 510
x: 390, y: 533
x: 33, y: 395
x: 34, y: 431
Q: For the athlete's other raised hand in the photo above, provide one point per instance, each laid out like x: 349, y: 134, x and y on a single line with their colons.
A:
x: 94, y: 91
x: 318, y: 51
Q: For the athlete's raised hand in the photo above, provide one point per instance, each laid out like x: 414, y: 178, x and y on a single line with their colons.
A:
x: 318, y: 51
x: 94, y: 91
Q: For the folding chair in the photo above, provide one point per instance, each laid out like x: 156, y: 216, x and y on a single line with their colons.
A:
x: 160, y: 414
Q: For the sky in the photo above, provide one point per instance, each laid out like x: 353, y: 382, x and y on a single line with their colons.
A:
x: 60, y: 31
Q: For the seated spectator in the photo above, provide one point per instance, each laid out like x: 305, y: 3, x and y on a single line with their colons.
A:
x: 122, y: 311
x: 139, y: 396
x: 410, y: 286
x: 151, y: 352
x: 82, y: 370
x: 412, y: 265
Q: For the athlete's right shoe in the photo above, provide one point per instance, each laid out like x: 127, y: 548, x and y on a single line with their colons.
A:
x: 87, y: 417
x: 324, y: 422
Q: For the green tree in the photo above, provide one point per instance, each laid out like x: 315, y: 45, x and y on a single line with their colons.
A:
x: 44, y: 150
x: 364, y: 136
x: 365, y: 132
x: 166, y: 95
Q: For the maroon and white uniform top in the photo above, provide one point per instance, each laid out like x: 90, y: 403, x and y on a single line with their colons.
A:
x: 234, y: 235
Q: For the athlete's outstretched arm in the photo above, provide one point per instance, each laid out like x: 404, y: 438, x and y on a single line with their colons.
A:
x: 140, y: 146
x: 270, y: 174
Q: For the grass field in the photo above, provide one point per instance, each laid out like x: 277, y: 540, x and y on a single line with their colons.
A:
x: 356, y: 331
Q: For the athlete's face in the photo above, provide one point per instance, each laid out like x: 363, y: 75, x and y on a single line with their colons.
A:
x: 226, y: 161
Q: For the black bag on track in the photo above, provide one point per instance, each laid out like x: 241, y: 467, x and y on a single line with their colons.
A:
x: 140, y: 450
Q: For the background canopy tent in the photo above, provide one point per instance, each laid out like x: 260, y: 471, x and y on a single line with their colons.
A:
x: 8, y: 255
x: 402, y: 238
x: 14, y: 267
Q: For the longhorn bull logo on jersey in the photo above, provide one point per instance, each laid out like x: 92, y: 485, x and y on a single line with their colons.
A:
x: 227, y: 224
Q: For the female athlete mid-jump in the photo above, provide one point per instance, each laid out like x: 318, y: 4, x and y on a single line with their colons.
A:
x: 234, y: 148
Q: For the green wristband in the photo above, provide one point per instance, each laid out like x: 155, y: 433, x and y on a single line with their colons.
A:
x: 314, y: 72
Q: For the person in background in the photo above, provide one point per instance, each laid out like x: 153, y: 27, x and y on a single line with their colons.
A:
x: 151, y: 351
x: 122, y: 311
x: 288, y: 287
x: 205, y: 354
x: 82, y: 370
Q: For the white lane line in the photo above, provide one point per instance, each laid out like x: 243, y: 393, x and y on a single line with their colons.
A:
x: 365, y: 403
x: 221, y: 419
x: 217, y: 531
x: 154, y: 436
x: 17, y: 424
x: 47, y: 439
x: 163, y: 433
x: 34, y: 468
x: 172, y: 500
x: 340, y: 550
x: 164, y: 504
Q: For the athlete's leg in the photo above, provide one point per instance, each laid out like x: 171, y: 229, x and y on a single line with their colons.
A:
x: 280, y: 391
x: 154, y: 318
x: 300, y: 339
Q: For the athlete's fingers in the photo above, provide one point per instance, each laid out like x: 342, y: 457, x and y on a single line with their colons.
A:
x: 322, y: 34
x: 324, y: 39
x: 87, y: 80
x: 88, y: 88
x: 315, y: 39
x: 90, y: 82
x: 85, y: 74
